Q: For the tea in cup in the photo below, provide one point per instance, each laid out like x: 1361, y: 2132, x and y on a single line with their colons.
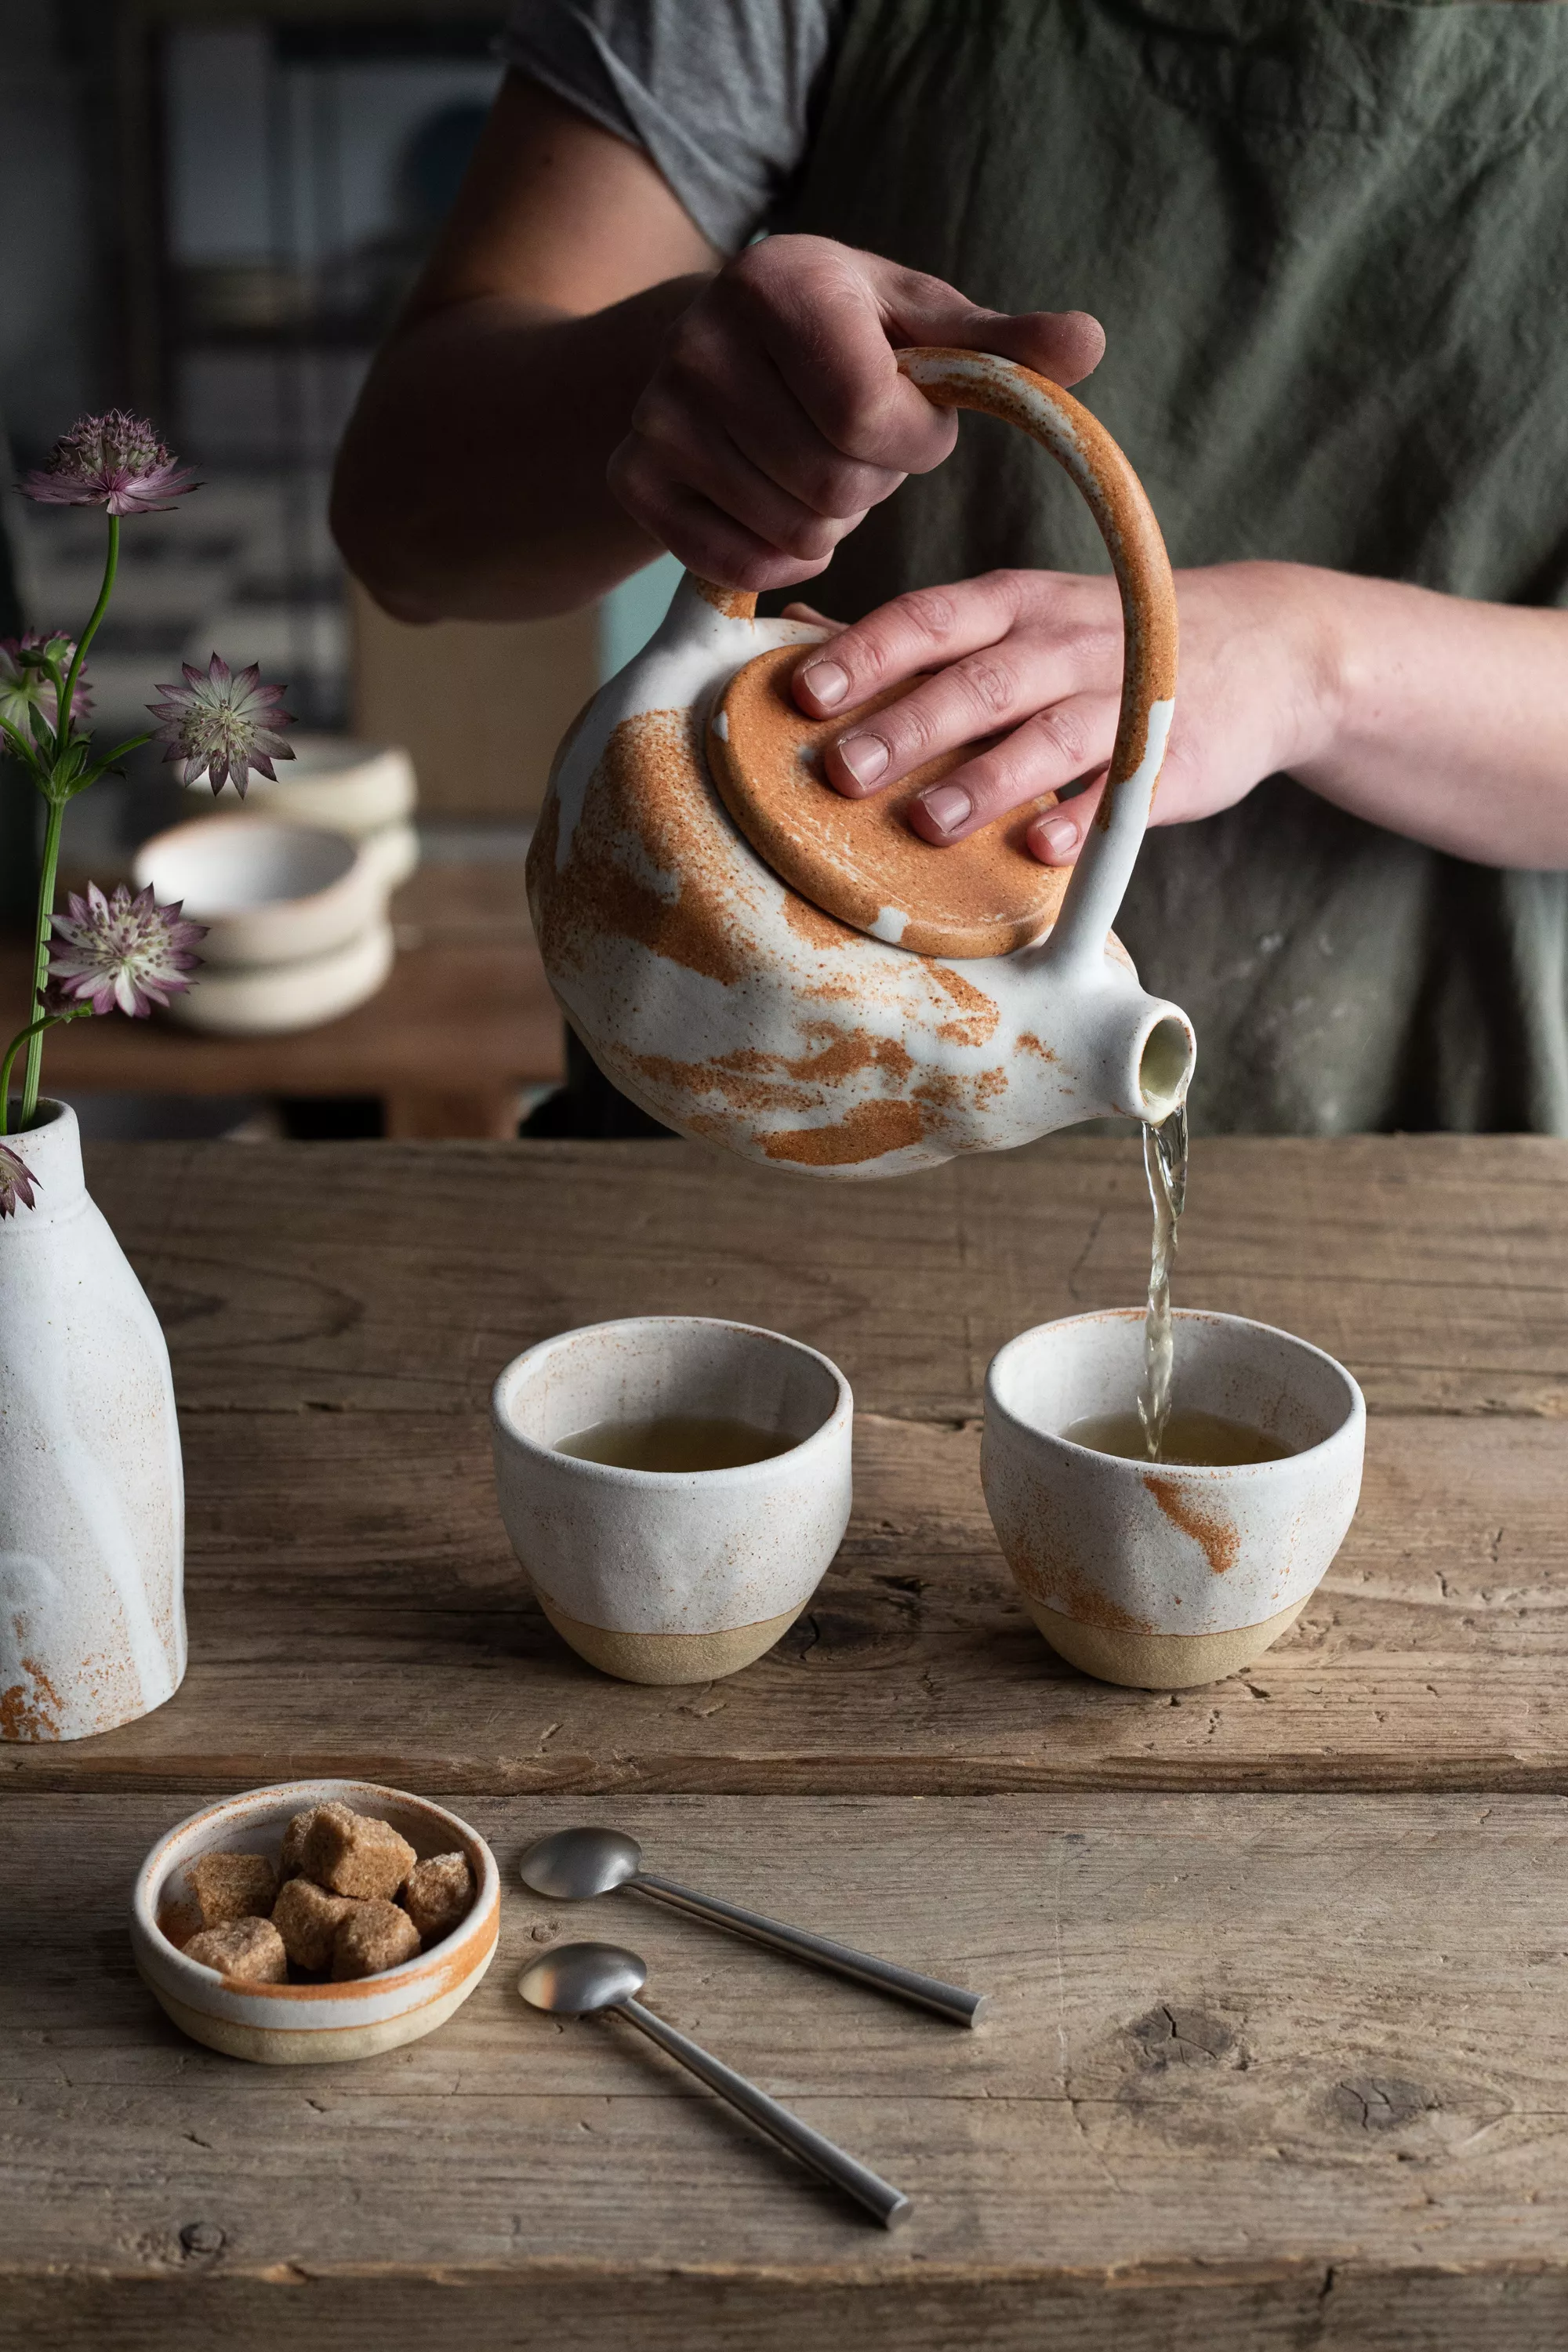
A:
x: 1162, y: 1574
x: 676, y: 1487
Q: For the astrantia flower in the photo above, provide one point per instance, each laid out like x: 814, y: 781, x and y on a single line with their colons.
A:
x: 221, y: 725
x: 17, y: 1182
x: 121, y: 951
x: 115, y: 461
x: 24, y: 682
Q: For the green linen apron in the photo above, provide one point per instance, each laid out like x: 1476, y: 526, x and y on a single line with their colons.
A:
x: 1328, y: 242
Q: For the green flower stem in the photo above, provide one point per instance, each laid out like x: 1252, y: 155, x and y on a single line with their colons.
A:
x: 41, y: 958
x: 103, y: 767
x: 56, y: 793
x: 110, y: 565
x: 47, y: 1021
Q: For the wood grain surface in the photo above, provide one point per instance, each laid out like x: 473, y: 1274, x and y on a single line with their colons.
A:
x: 1245, y: 2053
x: 1280, y: 2051
x: 337, y: 1316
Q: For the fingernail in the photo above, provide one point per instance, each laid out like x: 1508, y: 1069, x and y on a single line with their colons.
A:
x: 947, y: 806
x: 826, y: 681
x: 1058, y: 834
x: 865, y: 756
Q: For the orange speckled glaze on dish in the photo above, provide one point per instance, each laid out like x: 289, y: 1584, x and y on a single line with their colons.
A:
x: 288, y: 2023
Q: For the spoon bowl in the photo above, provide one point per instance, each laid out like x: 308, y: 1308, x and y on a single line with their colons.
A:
x: 574, y: 1979
x: 570, y: 1865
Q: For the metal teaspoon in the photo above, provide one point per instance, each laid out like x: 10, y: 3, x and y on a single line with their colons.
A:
x: 570, y: 1864
x: 575, y: 1979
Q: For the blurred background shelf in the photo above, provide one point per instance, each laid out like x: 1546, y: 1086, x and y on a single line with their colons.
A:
x: 463, y: 1035
x: 240, y: 193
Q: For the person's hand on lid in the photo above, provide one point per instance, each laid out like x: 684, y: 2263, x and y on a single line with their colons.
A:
x: 1035, y: 659
x: 1435, y: 716
x: 777, y: 417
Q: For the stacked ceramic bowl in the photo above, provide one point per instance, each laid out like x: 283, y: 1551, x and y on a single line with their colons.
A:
x: 297, y: 924
x: 366, y: 790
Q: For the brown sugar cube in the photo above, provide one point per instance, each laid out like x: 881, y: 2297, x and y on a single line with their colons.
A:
x: 307, y: 1917
x: 251, y: 1949
x: 349, y: 1853
x: 376, y: 1935
x: 233, y: 1886
x: 438, y: 1895
x: 292, y: 1860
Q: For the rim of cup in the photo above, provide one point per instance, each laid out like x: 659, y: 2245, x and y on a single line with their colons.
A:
x: 1126, y: 1466
x: 738, y: 1474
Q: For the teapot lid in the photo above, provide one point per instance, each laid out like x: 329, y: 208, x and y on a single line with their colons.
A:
x: 857, y: 859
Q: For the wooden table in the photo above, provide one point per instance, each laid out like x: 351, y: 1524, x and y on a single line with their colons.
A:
x: 465, y: 1022
x: 1280, y: 2056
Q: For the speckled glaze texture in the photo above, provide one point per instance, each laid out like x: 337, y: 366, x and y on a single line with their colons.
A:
x: 738, y: 1011
x: 678, y: 1576
x: 1151, y: 1573
x: 306, y: 2024
x: 858, y: 859
x: 92, y: 1623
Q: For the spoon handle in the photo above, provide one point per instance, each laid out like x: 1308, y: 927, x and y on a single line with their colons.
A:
x: 926, y: 1992
x: 890, y: 2205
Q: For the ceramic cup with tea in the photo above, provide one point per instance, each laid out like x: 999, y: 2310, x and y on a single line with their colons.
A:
x: 1164, y: 1574
x: 675, y: 1486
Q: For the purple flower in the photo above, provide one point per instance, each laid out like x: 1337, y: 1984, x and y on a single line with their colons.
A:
x: 24, y: 682
x: 17, y: 1182
x: 115, y: 461
x: 121, y: 951
x: 221, y: 725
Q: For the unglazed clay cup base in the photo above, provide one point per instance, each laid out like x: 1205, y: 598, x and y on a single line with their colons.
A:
x: 308, y: 2024
x: 1159, y: 1661
x: 681, y: 1576
x: 668, y: 1657
x: 1163, y: 1575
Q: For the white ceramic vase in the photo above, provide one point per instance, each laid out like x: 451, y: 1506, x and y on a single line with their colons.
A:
x: 92, y: 1513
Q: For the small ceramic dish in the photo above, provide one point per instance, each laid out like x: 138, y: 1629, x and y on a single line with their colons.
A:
x: 393, y: 851
x: 334, y: 780
x: 270, y: 893
x: 308, y: 2024
x: 275, y: 1000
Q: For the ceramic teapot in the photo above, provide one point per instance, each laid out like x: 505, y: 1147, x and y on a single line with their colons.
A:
x: 766, y: 965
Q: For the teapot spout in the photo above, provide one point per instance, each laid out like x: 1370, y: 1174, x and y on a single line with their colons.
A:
x: 1166, y: 1053
x: 1140, y: 1059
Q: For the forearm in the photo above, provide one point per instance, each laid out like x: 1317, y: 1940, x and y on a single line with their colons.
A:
x: 1446, y: 720
x: 471, y: 481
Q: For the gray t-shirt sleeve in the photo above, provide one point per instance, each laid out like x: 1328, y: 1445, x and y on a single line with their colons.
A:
x: 721, y: 94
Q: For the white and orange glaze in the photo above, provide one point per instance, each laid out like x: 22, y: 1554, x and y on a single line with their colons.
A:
x: 738, y: 1011
x: 1168, y: 1574
x: 673, y: 1576
x: 93, y: 1507
x: 306, y: 2024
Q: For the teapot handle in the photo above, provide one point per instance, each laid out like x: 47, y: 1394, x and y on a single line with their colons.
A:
x: 1116, y: 498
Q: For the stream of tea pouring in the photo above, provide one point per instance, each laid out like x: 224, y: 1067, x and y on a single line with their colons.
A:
x: 1165, y: 1163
